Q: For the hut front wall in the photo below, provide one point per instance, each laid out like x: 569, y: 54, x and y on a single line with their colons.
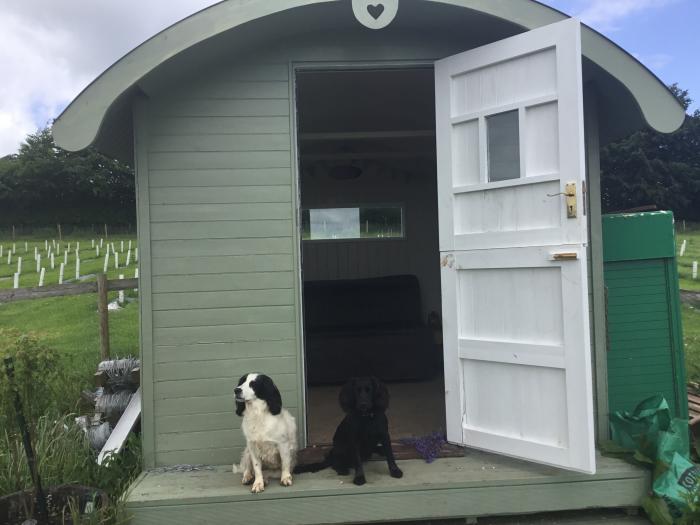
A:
x: 217, y: 190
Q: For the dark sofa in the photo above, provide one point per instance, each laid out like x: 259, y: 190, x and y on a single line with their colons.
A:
x: 366, y: 327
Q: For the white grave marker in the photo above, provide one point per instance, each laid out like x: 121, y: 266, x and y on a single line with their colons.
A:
x: 101, y: 240
x: 130, y: 245
x: 1, y: 251
x: 116, y: 261
x: 36, y: 252
x: 121, y: 292
x: 93, y: 243
x: 65, y: 257
x: 106, y: 264
x: 41, y: 276
x: 128, y: 257
x: 136, y: 276
x: 136, y: 254
x: 77, y: 268
x: 683, y: 248
x: 97, y: 252
x: 38, y: 263
x: 46, y: 244
x: 68, y: 246
x: 695, y: 269
x: 14, y: 248
x: 16, y: 281
x: 9, y: 257
x: 122, y: 247
x: 60, y: 273
x: 77, y: 246
x: 53, y: 261
x: 19, y: 265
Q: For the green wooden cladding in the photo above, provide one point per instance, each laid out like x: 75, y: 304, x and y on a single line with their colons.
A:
x: 216, y: 195
x: 645, y: 344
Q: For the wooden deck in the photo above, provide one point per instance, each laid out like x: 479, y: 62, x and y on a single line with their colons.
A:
x: 476, y: 485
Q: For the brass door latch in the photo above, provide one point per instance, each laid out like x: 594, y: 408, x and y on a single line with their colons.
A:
x: 570, y: 193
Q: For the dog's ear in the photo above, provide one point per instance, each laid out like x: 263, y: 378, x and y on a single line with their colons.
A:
x: 240, y: 407
x: 267, y: 390
x: 381, y: 395
x: 347, y: 396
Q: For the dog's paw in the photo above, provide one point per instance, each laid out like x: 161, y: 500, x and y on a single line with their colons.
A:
x: 286, y: 481
x: 258, y: 486
x: 359, y: 480
x: 396, y: 472
x: 247, y: 478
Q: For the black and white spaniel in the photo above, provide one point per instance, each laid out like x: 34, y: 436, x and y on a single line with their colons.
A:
x: 270, y: 432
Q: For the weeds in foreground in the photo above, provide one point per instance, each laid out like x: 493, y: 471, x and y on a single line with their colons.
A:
x: 65, y: 457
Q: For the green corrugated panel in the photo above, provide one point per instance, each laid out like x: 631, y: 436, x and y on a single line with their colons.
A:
x: 645, y: 348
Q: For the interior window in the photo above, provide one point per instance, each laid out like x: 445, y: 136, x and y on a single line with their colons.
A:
x: 503, y: 146
x: 362, y: 222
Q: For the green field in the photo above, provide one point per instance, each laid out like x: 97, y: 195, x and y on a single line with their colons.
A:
x: 692, y: 253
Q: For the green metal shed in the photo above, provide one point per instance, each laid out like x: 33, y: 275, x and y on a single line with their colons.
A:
x: 452, y: 145
x: 645, y: 339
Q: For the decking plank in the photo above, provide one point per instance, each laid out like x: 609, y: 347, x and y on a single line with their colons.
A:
x: 477, y: 485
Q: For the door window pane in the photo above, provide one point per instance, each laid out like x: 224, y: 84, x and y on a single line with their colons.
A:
x: 503, y: 146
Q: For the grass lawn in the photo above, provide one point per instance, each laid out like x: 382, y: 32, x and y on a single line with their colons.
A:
x: 691, y: 335
x: 692, y: 253
x: 71, y: 326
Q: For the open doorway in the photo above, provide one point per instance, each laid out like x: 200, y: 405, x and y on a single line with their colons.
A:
x: 369, y: 243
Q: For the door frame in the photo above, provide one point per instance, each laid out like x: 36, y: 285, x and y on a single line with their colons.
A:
x: 294, y: 68
x: 593, y: 209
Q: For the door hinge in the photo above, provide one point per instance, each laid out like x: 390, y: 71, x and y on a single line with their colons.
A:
x: 447, y: 261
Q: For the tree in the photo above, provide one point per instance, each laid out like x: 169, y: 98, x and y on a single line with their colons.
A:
x: 44, y: 184
x: 651, y: 168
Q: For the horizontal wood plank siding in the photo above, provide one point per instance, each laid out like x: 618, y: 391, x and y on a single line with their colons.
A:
x: 220, y: 195
x: 218, y: 351
x: 221, y: 142
x: 219, y: 177
x: 223, y: 265
x: 216, y: 125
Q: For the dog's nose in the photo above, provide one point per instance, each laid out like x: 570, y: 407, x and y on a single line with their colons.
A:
x: 236, y: 390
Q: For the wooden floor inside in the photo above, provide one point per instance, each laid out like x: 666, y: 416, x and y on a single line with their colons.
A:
x: 477, y: 484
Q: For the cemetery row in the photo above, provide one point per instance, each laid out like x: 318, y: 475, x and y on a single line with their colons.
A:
x: 28, y: 264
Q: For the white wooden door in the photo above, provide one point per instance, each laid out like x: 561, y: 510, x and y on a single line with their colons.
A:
x: 514, y: 270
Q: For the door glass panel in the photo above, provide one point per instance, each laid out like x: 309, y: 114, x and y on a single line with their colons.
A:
x: 503, y: 146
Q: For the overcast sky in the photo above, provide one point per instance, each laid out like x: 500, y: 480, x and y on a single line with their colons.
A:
x: 51, y: 49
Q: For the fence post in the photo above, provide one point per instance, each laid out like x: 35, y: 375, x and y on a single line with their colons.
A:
x: 104, y: 315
